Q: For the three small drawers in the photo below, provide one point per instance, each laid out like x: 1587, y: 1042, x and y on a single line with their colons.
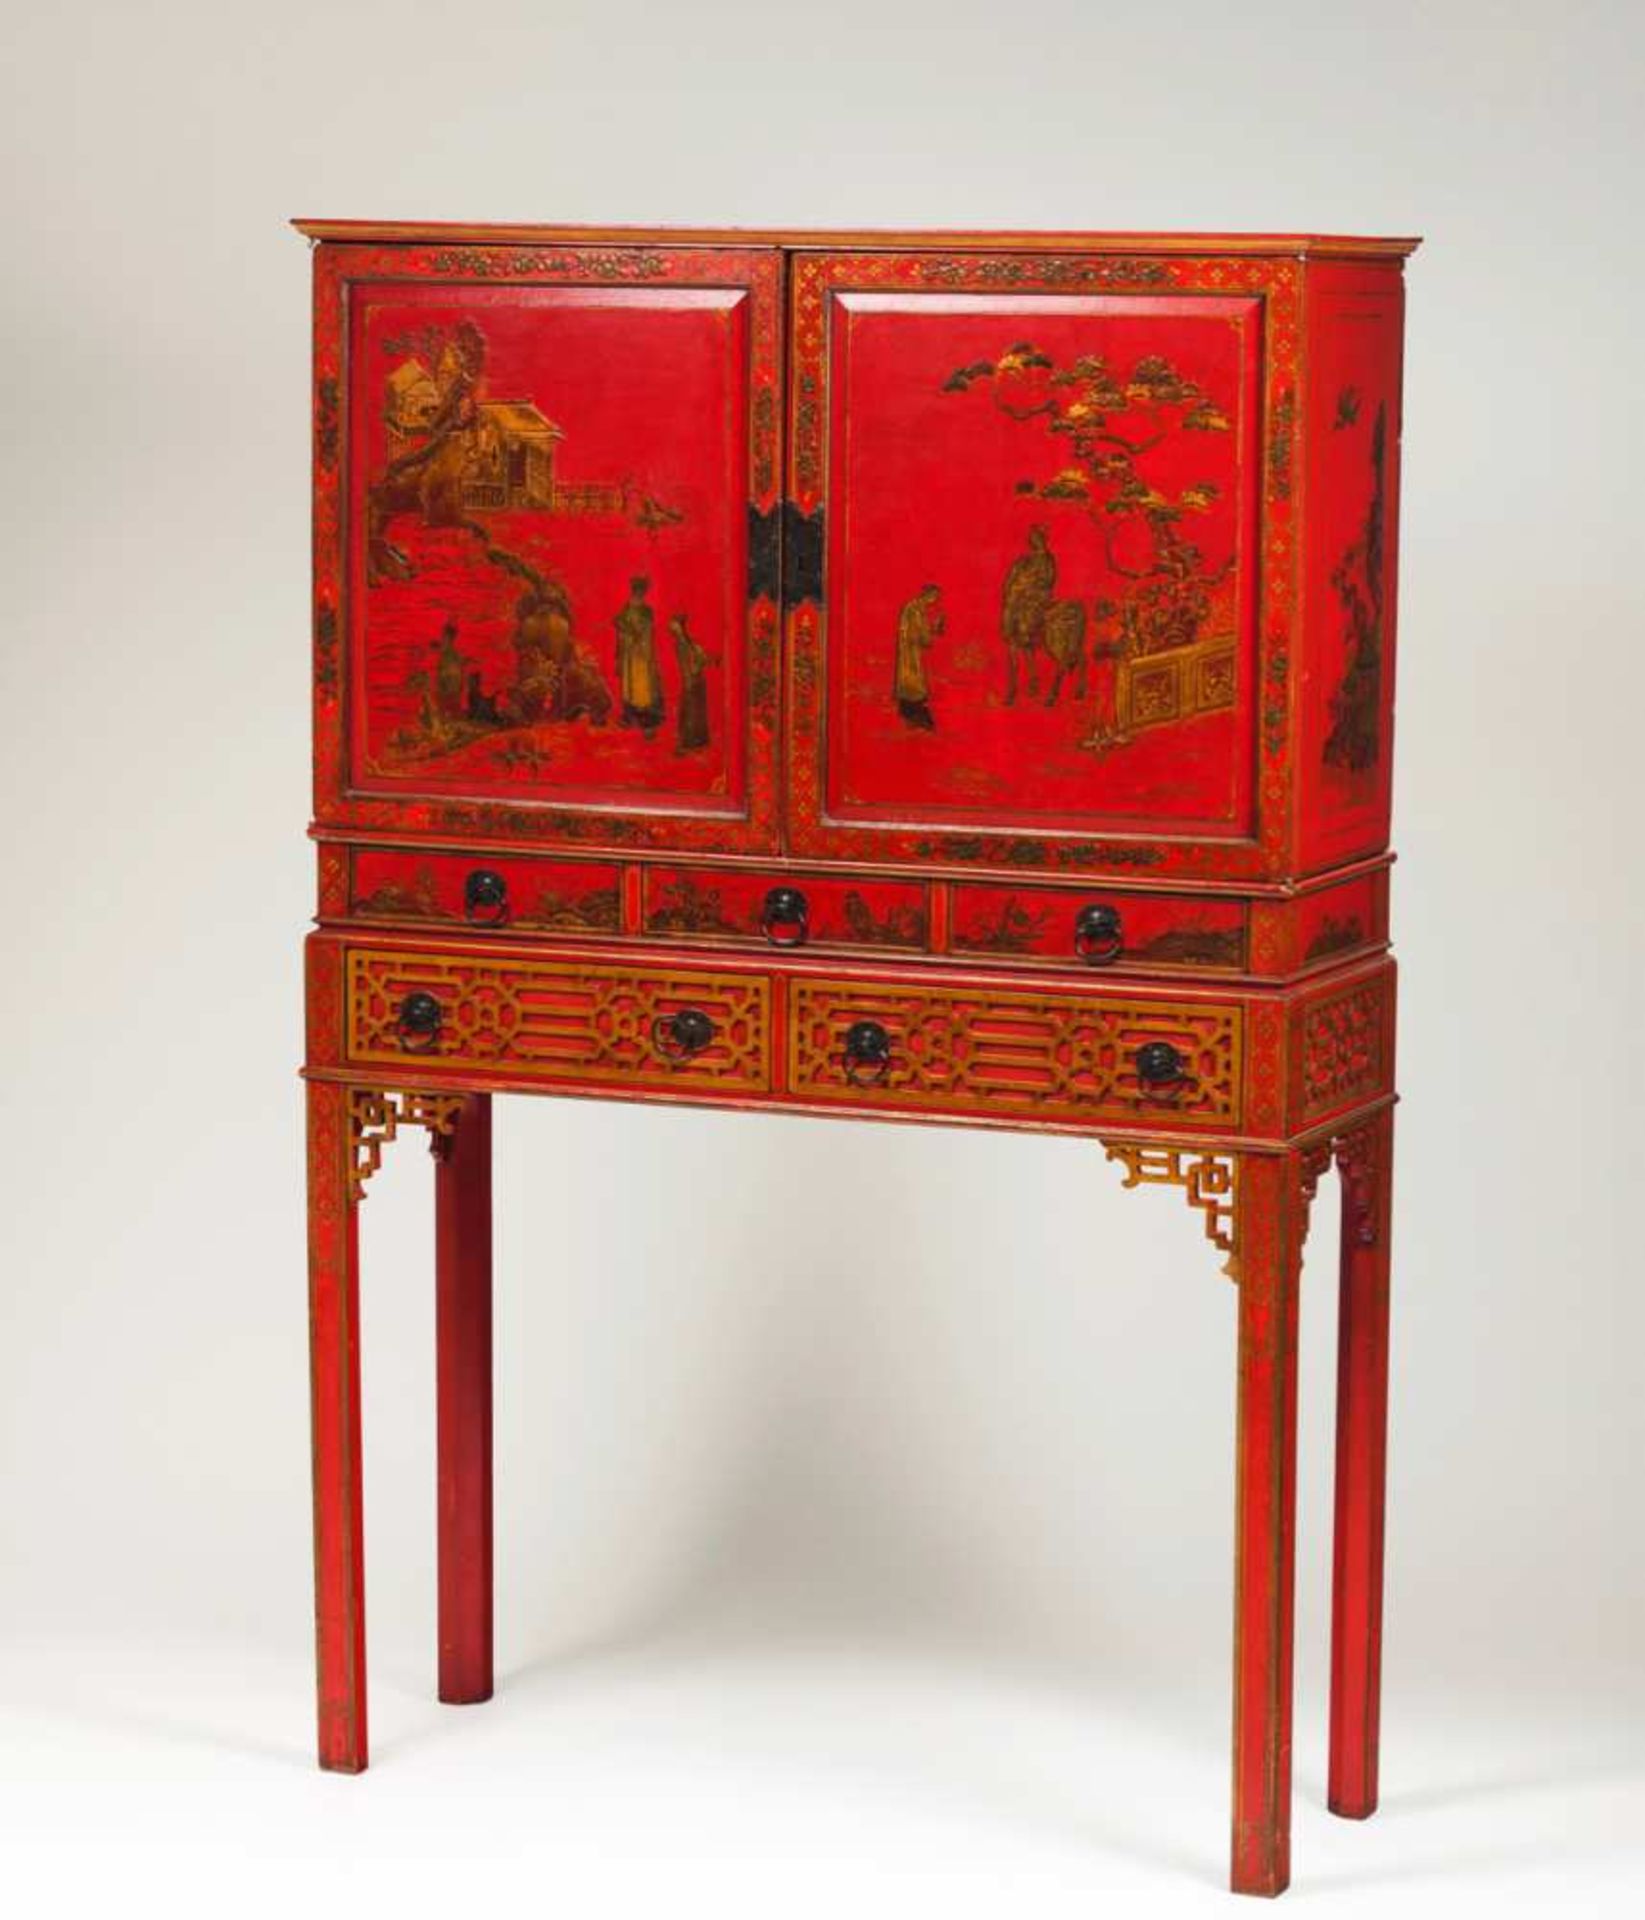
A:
x: 984, y: 923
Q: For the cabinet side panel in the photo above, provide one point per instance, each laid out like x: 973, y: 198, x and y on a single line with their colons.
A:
x: 1354, y: 332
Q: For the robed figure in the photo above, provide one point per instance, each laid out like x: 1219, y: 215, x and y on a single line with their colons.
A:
x: 639, y: 684
x: 918, y: 625
x: 693, y: 660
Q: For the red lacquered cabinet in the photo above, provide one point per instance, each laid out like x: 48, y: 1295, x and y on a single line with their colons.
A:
x: 925, y: 677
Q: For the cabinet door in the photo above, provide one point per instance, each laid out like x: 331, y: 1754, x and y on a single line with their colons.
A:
x: 546, y: 480
x: 1034, y: 570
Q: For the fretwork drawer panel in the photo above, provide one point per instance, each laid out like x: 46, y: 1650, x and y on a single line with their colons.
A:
x: 570, y: 1021
x: 992, y: 1053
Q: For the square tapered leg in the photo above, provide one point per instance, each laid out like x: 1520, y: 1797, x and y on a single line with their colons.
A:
x: 463, y: 1385
x: 334, y: 1372
x: 1366, y: 1157
x: 1265, y: 1536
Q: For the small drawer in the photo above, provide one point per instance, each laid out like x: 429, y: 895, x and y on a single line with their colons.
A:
x: 1100, y: 929
x: 566, y: 1021
x: 487, y: 892
x: 991, y: 1053
x: 784, y: 910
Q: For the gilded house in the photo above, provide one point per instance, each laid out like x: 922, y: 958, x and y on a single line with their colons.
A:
x: 410, y: 402
x: 511, y: 463
x: 510, y: 459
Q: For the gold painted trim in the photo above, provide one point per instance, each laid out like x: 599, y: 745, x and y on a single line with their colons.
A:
x: 1300, y: 245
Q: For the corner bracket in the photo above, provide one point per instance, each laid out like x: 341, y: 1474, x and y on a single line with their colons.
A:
x: 1210, y: 1180
x: 374, y: 1119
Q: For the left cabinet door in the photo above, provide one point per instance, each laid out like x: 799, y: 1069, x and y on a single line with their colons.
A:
x: 546, y: 543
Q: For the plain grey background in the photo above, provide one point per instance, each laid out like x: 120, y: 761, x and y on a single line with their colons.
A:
x: 942, y: 1420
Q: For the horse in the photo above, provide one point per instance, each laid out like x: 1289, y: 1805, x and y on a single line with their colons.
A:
x: 1064, y: 635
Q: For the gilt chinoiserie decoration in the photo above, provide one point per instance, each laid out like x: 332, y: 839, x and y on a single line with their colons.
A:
x: 917, y: 677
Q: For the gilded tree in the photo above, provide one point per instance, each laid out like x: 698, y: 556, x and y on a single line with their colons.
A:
x: 1105, y: 422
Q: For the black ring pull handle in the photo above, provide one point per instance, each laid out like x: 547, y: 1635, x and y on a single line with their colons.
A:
x: 418, y: 1022
x: 678, y: 1036
x: 1162, y: 1071
x: 485, y: 898
x: 784, y: 917
x: 867, y: 1053
x: 1099, y: 934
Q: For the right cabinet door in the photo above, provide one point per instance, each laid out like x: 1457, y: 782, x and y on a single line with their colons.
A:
x: 1039, y: 523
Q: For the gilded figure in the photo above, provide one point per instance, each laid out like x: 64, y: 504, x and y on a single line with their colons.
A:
x: 639, y: 682
x: 918, y: 625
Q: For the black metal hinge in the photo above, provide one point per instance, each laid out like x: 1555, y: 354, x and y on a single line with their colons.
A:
x: 764, y: 553
x: 802, y: 555
x: 785, y: 554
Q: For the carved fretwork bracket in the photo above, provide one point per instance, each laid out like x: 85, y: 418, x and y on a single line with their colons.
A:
x: 374, y: 1119
x: 1210, y: 1180
x: 1357, y: 1154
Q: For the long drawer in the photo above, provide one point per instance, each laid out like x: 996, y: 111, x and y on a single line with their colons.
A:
x: 576, y: 1022
x: 1022, y: 1057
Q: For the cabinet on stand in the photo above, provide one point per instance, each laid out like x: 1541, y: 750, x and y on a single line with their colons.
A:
x: 930, y: 677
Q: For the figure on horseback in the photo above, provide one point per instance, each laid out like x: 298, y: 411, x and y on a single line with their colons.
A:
x: 1030, y: 582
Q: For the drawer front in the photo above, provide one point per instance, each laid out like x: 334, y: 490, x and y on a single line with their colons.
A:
x: 1137, y: 930
x: 485, y: 892
x: 569, y: 1022
x: 996, y: 1054
x: 684, y: 903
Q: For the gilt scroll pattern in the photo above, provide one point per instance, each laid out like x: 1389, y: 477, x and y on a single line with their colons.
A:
x: 374, y: 1119
x: 1210, y: 1183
